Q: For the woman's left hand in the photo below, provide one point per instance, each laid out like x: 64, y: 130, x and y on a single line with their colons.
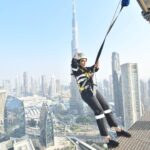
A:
x: 97, y: 65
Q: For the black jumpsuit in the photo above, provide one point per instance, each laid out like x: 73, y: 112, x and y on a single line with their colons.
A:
x: 94, y: 99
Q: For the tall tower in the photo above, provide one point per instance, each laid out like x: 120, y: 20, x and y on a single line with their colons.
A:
x: 17, y: 87
x: 2, y: 108
x: 149, y: 88
x: 34, y: 87
x: 14, y: 114
x: 58, y: 87
x: 130, y: 92
x: 46, y: 127
x: 117, y: 89
x: 43, y: 86
x: 145, y: 101
x: 25, y: 84
x: 52, y: 87
x: 74, y: 42
x: 76, y: 104
x: 7, y: 86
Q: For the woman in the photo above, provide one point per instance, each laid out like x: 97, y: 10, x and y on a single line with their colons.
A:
x: 84, y: 78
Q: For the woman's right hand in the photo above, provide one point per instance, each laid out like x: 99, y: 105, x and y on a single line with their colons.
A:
x: 75, y: 56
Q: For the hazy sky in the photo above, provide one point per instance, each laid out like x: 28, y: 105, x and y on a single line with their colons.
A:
x: 35, y: 36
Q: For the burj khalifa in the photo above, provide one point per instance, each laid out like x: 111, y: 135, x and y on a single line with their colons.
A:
x: 76, y: 104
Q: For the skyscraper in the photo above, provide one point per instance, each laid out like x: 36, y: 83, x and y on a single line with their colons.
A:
x: 111, y: 88
x: 76, y: 104
x: 46, y: 127
x: 117, y: 89
x: 144, y: 95
x: 34, y: 88
x: 7, y: 86
x: 43, y: 86
x: 107, y: 90
x: 58, y: 87
x: 14, y: 117
x: 130, y: 92
x: 2, y: 107
x: 52, y: 88
x: 149, y: 88
x: 17, y: 90
x: 25, y: 84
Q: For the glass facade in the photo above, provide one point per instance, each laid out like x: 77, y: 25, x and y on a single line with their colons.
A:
x: 2, y: 104
x: 14, y: 114
x: 46, y: 127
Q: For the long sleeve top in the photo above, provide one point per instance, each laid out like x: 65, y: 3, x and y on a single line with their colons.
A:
x: 83, y: 75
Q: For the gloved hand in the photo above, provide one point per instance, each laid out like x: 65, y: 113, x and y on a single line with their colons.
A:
x: 76, y: 56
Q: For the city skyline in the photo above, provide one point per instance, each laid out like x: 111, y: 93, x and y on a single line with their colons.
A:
x: 38, y: 96
x: 38, y: 40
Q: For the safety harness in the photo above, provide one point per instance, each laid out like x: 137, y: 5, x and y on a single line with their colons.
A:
x: 88, y: 74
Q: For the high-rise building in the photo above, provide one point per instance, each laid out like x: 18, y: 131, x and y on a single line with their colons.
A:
x: 107, y: 90
x: 2, y: 108
x: 130, y: 92
x: 43, y: 86
x: 58, y: 87
x: 111, y: 88
x: 7, y: 86
x: 46, y: 127
x: 17, y: 89
x: 76, y: 104
x: 145, y: 101
x: 52, y: 87
x: 34, y: 88
x: 104, y: 87
x: 14, y: 113
x: 117, y: 89
x: 149, y: 88
x: 25, y: 84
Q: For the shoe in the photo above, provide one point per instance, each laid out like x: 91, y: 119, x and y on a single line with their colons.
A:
x: 123, y: 133
x: 112, y: 144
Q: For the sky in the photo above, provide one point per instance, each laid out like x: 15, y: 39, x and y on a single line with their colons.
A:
x: 35, y: 36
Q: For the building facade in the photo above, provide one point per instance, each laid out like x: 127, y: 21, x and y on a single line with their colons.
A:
x: 2, y: 108
x: 46, y: 127
x: 130, y: 91
x: 25, y: 84
x: 117, y: 87
x: 14, y: 114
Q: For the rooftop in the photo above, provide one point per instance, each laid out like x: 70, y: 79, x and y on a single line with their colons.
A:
x: 140, y: 139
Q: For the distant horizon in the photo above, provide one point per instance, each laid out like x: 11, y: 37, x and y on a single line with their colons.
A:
x: 48, y: 77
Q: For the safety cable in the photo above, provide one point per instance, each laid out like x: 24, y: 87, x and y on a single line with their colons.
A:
x: 102, y: 45
x: 109, y: 29
x: 123, y: 4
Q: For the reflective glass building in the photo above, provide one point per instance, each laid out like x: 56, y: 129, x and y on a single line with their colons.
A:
x: 14, y: 114
x: 46, y: 127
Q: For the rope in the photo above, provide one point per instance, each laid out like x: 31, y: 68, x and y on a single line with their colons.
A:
x: 109, y: 29
x: 114, y: 19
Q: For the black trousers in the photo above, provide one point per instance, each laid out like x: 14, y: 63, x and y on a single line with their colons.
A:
x: 101, y: 110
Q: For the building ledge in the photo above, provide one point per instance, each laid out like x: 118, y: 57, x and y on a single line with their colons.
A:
x: 140, y: 139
